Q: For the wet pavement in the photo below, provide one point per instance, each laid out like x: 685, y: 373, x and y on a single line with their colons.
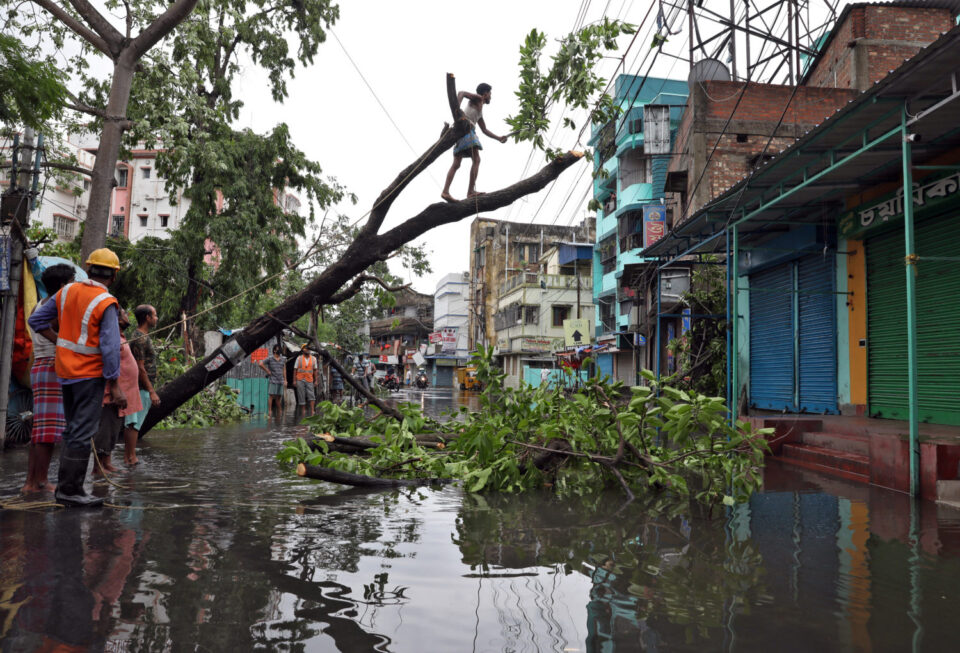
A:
x: 211, y: 545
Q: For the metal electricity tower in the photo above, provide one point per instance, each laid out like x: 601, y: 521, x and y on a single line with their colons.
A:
x: 764, y: 41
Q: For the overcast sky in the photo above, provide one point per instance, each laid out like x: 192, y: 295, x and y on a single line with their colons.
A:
x: 404, y: 50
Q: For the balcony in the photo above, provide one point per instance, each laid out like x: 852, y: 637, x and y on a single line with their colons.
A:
x: 554, y: 281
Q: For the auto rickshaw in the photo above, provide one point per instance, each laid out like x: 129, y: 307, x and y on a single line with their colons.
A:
x: 467, y: 378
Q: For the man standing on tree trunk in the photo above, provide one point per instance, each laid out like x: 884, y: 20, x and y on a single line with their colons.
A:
x: 470, y: 145
x: 87, y: 361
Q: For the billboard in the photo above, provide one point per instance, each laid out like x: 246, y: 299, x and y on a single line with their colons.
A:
x: 654, y: 223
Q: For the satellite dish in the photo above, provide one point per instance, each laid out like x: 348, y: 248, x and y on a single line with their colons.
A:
x: 708, y: 70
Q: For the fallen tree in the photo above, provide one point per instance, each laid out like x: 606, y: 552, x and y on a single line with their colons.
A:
x: 654, y: 439
x: 569, y: 80
x: 344, y: 278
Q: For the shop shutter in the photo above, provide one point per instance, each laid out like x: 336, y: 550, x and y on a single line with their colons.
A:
x: 444, y: 376
x: 605, y: 365
x: 817, y: 307
x: 772, y: 339
x: 938, y: 330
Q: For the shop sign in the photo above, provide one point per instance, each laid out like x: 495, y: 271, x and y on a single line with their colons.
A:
x: 855, y: 223
x: 654, y: 223
x: 576, y: 333
x: 449, y: 339
x: 435, y: 337
x: 540, y: 344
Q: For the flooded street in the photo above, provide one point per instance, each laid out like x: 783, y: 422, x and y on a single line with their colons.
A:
x: 211, y: 545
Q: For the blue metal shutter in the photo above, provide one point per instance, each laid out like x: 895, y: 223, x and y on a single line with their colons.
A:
x: 817, y: 308
x: 605, y: 364
x: 772, y: 339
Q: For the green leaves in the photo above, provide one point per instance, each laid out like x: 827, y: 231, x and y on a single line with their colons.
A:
x: 570, y: 79
x: 679, y: 442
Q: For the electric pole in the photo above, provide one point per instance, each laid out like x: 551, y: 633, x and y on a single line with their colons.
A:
x: 14, y: 216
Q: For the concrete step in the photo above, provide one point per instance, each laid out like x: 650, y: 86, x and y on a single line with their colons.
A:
x: 859, y: 444
x: 845, y: 463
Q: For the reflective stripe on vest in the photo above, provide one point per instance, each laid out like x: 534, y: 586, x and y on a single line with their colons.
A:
x: 79, y: 346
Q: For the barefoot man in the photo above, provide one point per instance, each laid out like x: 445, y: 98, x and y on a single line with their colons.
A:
x: 470, y: 145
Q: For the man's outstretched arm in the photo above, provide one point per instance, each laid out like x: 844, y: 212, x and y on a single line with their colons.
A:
x: 483, y: 128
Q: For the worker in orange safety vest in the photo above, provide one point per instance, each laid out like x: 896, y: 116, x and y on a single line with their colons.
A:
x: 306, y: 377
x: 87, y: 363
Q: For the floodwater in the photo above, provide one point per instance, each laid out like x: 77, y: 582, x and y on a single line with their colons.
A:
x: 213, y: 546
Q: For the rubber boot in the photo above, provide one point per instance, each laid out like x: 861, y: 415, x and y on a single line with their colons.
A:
x: 73, y: 471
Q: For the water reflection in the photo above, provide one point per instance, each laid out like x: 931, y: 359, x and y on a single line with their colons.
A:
x: 216, y: 547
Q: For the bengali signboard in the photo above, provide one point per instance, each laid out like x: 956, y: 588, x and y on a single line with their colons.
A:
x: 856, y: 223
x: 435, y: 337
x: 654, y: 223
x: 449, y: 340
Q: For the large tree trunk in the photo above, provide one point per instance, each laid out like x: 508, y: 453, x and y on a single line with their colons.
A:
x: 369, y: 247
x: 97, y: 222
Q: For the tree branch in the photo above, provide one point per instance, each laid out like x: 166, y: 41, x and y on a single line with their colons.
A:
x: 100, y: 25
x: 67, y: 167
x: 442, y: 213
x: 75, y: 25
x: 173, y: 16
x: 448, y: 138
x: 357, y: 284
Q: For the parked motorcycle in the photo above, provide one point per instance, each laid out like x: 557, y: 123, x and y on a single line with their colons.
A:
x: 421, y: 380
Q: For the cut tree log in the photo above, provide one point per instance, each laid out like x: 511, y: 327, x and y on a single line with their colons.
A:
x: 358, y: 445
x: 359, y: 480
x: 343, y: 278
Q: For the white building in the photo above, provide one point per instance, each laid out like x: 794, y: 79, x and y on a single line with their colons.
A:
x: 62, y: 201
x: 449, y: 328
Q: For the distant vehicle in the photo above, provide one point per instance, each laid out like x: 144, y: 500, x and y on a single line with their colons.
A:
x: 467, y: 378
x: 390, y: 381
x: 421, y: 380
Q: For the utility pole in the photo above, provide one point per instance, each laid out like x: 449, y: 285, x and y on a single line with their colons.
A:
x: 578, y: 291
x: 14, y: 215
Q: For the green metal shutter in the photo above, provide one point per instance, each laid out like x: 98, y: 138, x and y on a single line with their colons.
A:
x: 938, y: 324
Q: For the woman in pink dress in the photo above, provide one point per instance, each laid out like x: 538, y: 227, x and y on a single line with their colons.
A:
x: 111, y: 420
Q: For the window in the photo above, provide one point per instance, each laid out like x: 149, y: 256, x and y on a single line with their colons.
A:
x: 164, y: 221
x: 118, y: 223
x: 531, y: 314
x: 143, y: 220
x: 86, y: 184
x: 121, y: 177
x: 145, y: 173
x: 560, y: 313
x: 65, y: 226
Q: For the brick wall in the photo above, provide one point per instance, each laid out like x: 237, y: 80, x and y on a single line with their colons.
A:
x: 874, y: 40
x: 739, y: 141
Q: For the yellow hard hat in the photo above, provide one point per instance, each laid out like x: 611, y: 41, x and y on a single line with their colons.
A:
x: 105, y: 258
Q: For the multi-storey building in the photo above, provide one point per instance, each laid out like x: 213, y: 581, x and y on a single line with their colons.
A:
x: 533, y: 305
x: 449, y: 340
x: 500, y: 250
x: 631, y: 156
x: 63, y: 196
x: 403, y: 327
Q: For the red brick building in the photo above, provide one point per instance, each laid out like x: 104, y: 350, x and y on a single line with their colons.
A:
x: 727, y: 125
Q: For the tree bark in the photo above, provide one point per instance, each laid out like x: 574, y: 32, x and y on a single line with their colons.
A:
x: 368, y: 248
x: 359, y: 480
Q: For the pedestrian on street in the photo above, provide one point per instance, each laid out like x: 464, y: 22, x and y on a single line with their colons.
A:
x: 48, y: 419
x: 336, y: 385
x: 275, y: 367
x: 141, y: 346
x: 112, y: 416
x: 87, y: 362
x: 305, y: 379
x: 406, y: 377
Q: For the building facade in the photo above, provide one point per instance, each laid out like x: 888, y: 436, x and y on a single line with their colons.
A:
x: 533, y: 306
x: 500, y: 250
x: 841, y: 273
x: 631, y: 158
x: 450, y: 324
